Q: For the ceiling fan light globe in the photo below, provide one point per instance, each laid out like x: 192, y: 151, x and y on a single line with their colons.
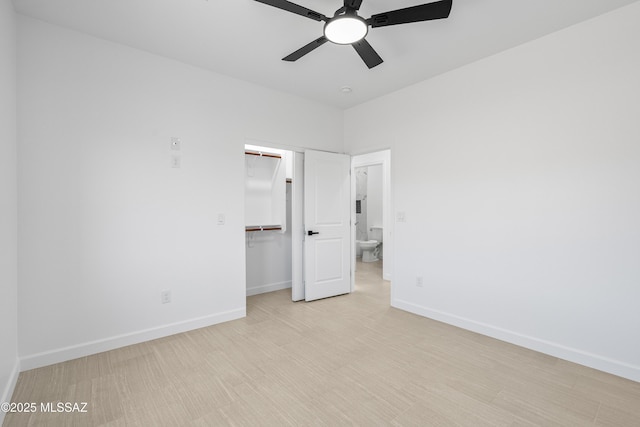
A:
x: 345, y: 30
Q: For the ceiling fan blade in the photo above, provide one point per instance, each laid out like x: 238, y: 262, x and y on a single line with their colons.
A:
x: 294, y: 8
x: 305, y: 49
x: 367, y: 53
x: 424, y: 12
x: 353, y: 4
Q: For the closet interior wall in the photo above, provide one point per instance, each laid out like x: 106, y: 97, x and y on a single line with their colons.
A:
x: 267, y: 219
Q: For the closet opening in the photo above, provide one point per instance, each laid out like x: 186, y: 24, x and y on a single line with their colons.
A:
x: 273, y: 220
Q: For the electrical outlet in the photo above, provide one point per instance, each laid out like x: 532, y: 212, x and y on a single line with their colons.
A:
x: 165, y: 297
x: 419, y: 281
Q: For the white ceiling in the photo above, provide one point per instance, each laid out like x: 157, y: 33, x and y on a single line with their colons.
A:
x: 246, y: 39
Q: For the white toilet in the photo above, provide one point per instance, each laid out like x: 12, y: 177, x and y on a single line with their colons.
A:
x: 368, y: 247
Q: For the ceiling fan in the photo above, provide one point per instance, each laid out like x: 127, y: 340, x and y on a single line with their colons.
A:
x: 346, y: 27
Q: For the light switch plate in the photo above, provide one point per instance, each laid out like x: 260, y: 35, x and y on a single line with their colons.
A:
x: 175, y: 144
x: 175, y: 161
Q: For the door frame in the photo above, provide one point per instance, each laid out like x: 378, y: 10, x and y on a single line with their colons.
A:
x: 383, y: 158
x: 297, y: 219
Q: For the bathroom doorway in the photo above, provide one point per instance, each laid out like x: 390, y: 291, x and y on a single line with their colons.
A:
x: 372, y: 235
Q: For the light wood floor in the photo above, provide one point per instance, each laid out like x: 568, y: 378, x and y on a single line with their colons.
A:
x: 350, y: 360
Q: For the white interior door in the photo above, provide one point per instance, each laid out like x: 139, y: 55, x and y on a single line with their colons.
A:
x: 327, y: 218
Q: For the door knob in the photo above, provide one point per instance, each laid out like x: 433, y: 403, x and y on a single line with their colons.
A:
x: 311, y: 233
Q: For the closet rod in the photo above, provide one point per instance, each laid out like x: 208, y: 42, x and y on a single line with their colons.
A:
x: 260, y: 228
x: 261, y: 154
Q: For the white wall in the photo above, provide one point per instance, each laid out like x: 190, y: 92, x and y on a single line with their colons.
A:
x: 269, y: 257
x: 9, y: 366
x: 520, y: 182
x: 105, y: 223
x: 374, y: 196
x: 362, y: 232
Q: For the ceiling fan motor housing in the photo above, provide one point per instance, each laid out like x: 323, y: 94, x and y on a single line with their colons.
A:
x: 346, y: 29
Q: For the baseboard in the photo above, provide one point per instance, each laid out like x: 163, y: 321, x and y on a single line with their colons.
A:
x: 93, y: 347
x: 580, y: 357
x: 268, y: 288
x: 7, y: 393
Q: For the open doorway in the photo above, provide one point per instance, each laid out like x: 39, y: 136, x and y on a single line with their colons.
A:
x: 273, y: 219
x: 372, y: 236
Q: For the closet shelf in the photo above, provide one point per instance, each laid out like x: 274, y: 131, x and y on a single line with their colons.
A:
x: 261, y: 154
x: 249, y: 228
